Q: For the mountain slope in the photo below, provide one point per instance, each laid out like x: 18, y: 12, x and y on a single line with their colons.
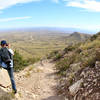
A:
x: 79, y: 68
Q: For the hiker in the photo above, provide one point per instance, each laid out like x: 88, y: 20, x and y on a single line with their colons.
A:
x: 6, y: 62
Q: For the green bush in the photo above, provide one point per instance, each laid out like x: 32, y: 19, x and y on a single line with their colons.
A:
x: 20, y: 63
x: 89, y: 62
x: 64, y: 64
x: 58, y: 56
x: 90, y: 45
x: 72, y: 47
x: 93, y: 37
x: 69, y: 48
x: 52, y: 54
x: 93, y: 56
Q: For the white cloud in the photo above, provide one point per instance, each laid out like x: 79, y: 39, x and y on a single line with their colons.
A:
x: 14, y: 18
x: 90, y: 5
x: 7, y: 3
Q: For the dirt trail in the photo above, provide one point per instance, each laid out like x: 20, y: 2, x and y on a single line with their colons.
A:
x: 38, y: 83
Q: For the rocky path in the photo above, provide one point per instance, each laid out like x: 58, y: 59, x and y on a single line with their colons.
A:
x: 37, y: 82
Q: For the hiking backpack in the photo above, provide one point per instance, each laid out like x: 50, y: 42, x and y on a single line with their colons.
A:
x: 5, y: 55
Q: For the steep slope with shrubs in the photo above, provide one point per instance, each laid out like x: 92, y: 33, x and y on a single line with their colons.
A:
x: 78, y: 67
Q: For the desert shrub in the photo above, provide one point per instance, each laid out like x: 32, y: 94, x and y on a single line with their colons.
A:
x: 97, y: 55
x: 61, y: 66
x: 89, y: 57
x: 90, y: 45
x: 52, y: 54
x: 78, y: 50
x: 69, y: 48
x: 89, y: 62
x: 93, y: 37
x: 58, y: 56
x: 93, y: 56
x: 72, y: 47
x: 32, y: 60
x: 20, y: 63
x: 64, y: 64
x: 78, y: 58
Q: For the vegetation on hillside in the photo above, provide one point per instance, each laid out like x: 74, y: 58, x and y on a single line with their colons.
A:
x: 20, y: 63
x: 74, y: 60
x: 86, y: 52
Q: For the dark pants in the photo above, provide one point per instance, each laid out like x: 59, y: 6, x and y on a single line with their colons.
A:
x: 10, y: 72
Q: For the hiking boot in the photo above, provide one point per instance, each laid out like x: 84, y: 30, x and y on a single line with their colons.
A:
x: 14, y: 91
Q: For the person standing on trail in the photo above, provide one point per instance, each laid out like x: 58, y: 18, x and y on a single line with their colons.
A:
x: 6, y: 62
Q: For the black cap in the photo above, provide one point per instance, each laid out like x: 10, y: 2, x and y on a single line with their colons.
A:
x: 3, y: 42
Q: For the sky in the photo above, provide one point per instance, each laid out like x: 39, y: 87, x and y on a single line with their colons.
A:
x: 83, y: 14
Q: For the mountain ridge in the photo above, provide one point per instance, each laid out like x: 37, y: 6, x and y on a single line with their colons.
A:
x: 60, y: 29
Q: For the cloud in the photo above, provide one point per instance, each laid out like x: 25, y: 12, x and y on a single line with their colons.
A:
x: 14, y: 18
x: 90, y: 5
x: 7, y: 3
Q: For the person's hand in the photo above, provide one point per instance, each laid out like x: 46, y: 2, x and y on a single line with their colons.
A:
x: 8, y: 45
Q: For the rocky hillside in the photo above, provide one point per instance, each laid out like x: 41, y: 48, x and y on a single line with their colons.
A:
x: 78, y: 67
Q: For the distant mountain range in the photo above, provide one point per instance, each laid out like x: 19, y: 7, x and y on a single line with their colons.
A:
x: 52, y: 29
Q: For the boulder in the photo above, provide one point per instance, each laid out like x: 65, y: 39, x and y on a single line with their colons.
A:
x: 4, y: 78
x: 75, y: 67
x: 75, y: 87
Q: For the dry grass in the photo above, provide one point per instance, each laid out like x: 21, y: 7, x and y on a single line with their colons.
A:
x: 27, y: 74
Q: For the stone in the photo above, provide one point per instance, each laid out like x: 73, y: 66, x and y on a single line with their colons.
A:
x: 75, y: 67
x: 75, y: 87
x: 4, y: 78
